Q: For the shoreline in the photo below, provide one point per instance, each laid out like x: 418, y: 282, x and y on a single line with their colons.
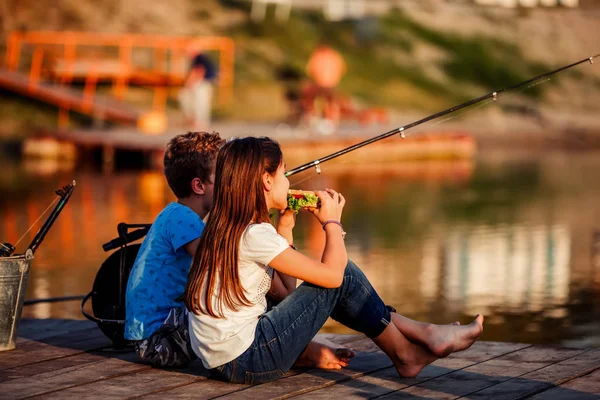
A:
x: 488, y: 130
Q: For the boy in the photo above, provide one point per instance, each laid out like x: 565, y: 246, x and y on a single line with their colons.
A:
x: 155, y: 320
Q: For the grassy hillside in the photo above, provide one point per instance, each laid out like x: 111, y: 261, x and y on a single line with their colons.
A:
x: 424, y: 57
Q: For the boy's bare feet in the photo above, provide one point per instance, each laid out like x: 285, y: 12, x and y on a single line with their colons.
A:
x: 445, y: 339
x: 324, y: 355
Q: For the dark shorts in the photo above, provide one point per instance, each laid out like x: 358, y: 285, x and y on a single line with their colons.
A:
x: 169, y: 346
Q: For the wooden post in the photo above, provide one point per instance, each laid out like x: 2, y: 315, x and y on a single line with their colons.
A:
x: 36, y: 68
x: 120, y: 85
x: 63, y: 118
x: 69, y: 59
x: 157, y: 159
x: 159, y: 99
x: 13, y: 51
x: 108, y: 159
x: 89, y: 90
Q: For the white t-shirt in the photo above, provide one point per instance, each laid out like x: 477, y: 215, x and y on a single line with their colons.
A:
x: 217, y: 341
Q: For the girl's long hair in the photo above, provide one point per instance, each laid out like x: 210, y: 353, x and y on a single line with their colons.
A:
x: 238, y: 200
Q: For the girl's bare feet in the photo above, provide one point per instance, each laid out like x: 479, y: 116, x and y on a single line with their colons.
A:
x: 409, y: 358
x: 325, y: 355
x: 445, y: 339
x: 414, y: 358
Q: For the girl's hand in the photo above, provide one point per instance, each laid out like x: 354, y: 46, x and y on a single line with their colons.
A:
x: 286, y: 223
x: 332, y: 204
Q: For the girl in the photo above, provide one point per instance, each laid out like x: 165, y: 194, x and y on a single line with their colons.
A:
x: 230, y: 330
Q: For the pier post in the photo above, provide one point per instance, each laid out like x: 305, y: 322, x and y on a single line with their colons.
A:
x: 157, y: 159
x: 108, y: 159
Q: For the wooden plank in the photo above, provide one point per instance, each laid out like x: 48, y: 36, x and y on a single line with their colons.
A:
x: 49, y: 365
x: 46, y: 335
x: 360, y: 365
x: 365, y: 363
x: 37, y: 351
x: 583, y: 388
x: 58, y: 380
x: 375, y: 384
x: 543, y: 379
x: 344, y: 340
x: 36, y: 329
x: 489, y: 373
x: 361, y: 345
x: 212, y: 388
x: 61, y: 347
x: 201, y: 390
x: 121, y: 386
x: 72, y: 335
x: 387, y: 381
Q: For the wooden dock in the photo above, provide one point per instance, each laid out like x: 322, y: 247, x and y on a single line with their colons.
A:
x: 298, y: 144
x: 69, y: 98
x: 60, y: 359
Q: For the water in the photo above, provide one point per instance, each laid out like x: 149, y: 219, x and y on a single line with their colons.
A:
x: 511, y: 236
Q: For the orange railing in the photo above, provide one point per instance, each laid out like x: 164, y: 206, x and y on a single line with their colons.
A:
x: 169, y: 62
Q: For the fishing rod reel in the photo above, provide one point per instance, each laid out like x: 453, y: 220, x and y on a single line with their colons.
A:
x: 6, y: 249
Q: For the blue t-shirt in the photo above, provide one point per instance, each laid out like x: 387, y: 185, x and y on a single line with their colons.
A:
x: 160, y: 271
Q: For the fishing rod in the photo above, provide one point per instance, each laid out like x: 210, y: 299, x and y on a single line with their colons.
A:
x: 53, y: 300
x: 401, y: 130
x: 64, y: 193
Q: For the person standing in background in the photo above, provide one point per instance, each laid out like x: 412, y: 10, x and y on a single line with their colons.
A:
x: 325, y: 68
x: 195, y: 97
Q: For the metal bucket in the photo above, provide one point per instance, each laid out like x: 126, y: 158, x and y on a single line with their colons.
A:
x: 14, y: 272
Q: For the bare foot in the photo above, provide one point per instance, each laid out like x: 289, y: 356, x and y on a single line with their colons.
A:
x: 413, y: 359
x: 445, y: 339
x: 325, y: 355
x: 408, y: 357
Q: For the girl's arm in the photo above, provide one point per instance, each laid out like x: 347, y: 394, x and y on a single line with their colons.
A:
x: 329, y: 272
x: 285, y: 226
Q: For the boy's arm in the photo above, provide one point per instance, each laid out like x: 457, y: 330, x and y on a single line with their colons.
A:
x: 278, y: 291
x: 289, y: 282
x: 191, y: 247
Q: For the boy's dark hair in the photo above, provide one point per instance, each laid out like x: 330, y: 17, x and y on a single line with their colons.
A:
x: 188, y: 156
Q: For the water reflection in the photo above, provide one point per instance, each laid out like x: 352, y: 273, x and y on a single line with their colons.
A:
x: 513, y: 238
x: 520, y: 267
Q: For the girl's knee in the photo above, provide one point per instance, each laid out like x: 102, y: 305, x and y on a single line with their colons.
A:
x: 352, y: 270
x: 350, y: 266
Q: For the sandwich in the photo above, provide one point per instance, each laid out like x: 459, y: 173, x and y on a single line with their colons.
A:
x: 298, y: 199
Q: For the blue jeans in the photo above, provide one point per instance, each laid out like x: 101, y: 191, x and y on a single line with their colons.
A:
x: 284, y: 332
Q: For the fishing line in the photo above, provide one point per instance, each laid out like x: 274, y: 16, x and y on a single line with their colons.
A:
x: 507, y: 95
x: 36, y: 221
x: 312, y: 174
x: 6, y: 249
